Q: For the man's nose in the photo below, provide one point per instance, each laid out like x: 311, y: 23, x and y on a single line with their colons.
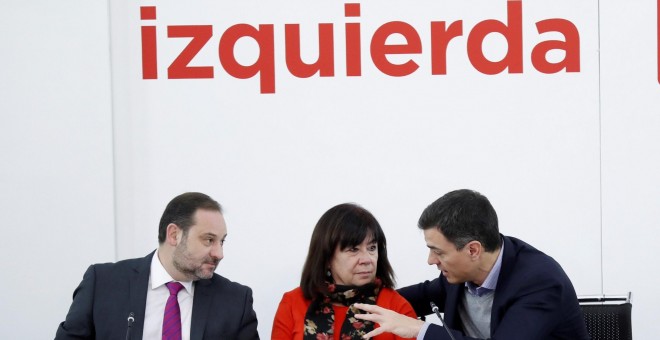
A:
x: 433, y: 259
x: 216, y: 251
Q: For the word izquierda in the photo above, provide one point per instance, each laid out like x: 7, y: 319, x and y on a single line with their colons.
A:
x: 441, y: 34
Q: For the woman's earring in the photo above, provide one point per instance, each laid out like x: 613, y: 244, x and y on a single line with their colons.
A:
x: 328, y: 273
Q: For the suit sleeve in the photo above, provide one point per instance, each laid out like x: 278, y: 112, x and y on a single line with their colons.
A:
x: 421, y: 294
x: 534, y: 313
x: 248, y: 328
x: 79, y: 323
x: 283, y: 323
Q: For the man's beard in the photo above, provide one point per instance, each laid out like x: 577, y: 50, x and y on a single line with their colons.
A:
x: 184, y: 264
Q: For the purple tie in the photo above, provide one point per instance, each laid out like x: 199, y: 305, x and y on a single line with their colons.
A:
x: 172, y: 317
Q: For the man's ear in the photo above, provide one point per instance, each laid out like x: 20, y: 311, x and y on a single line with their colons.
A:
x: 475, y: 249
x: 173, y: 234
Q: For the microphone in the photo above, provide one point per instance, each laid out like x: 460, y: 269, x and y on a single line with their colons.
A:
x: 130, y: 320
x: 435, y: 310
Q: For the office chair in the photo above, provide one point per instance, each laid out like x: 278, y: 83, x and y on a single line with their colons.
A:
x: 608, y: 317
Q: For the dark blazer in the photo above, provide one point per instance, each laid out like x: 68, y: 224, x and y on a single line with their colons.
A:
x: 534, y: 299
x: 109, y: 292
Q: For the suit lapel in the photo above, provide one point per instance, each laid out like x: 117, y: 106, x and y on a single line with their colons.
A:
x: 201, y: 304
x: 502, y: 292
x: 453, y: 299
x: 138, y: 285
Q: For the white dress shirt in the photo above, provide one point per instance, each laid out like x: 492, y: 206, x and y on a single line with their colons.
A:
x: 157, y: 294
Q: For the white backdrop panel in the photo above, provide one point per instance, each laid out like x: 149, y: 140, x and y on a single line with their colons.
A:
x: 56, y: 181
x: 631, y: 156
x: 528, y: 141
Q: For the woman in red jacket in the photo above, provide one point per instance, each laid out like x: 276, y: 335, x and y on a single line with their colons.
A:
x: 346, y: 263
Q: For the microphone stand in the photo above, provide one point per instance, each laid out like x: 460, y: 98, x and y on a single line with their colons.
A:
x: 130, y: 320
x: 435, y: 309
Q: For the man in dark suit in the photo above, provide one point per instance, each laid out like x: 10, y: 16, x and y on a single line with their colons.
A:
x: 491, y: 286
x: 131, y: 299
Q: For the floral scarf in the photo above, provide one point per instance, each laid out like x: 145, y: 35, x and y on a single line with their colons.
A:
x: 320, y: 316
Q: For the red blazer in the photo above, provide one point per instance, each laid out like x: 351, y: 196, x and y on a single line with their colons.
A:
x: 290, y: 317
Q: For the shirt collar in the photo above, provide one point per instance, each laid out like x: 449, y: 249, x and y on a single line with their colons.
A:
x: 159, y: 276
x: 490, y: 283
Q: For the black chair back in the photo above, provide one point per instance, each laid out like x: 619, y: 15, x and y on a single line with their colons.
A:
x: 607, y: 318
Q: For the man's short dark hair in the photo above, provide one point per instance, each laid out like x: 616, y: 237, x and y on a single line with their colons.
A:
x: 181, y: 209
x: 345, y: 225
x: 463, y: 216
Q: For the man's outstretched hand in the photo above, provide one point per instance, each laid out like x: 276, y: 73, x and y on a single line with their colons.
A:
x: 389, y: 321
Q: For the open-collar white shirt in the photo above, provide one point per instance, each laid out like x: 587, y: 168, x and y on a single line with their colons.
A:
x: 157, y: 294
